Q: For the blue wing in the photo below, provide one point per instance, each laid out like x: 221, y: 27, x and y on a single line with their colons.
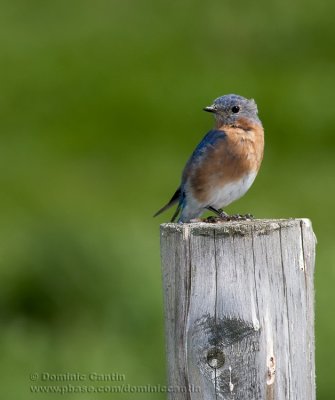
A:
x: 209, y: 141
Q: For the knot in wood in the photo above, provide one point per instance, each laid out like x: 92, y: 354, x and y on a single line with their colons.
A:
x: 215, y: 358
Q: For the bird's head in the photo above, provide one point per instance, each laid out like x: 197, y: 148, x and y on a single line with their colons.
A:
x: 229, y: 109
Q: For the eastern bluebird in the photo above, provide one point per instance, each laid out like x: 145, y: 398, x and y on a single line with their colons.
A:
x: 224, y: 164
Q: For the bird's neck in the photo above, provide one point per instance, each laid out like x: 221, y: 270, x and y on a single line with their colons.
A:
x: 245, y: 124
x: 245, y: 137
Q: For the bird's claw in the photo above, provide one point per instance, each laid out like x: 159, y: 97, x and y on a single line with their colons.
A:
x: 240, y: 217
x: 225, y: 217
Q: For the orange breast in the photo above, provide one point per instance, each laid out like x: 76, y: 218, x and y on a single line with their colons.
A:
x: 230, y: 160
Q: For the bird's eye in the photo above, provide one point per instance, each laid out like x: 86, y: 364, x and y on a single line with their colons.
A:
x: 235, y: 109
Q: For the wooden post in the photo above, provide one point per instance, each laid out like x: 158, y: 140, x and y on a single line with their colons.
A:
x: 239, y: 309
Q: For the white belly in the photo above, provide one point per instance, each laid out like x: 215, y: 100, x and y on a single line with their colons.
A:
x: 219, y: 198
x: 222, y: 197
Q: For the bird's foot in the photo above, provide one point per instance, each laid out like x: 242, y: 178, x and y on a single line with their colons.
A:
x: 228, y: 218
x: 223, y: 215
x: 240, y: 217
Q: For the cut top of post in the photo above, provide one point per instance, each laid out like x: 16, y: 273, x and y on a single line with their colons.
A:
x: 241, y: 228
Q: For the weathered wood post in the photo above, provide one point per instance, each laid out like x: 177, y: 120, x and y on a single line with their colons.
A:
x: 239, y: 309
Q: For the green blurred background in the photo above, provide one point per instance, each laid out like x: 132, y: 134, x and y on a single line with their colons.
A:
x: 100, y: 106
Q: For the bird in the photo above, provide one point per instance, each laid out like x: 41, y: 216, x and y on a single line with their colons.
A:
x: 224, y: 164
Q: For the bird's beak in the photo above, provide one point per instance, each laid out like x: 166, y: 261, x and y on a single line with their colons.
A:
x: 211, y: 109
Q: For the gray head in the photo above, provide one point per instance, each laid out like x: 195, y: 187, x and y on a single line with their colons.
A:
x: 230, y: 108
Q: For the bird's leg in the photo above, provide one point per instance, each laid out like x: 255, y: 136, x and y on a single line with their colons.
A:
x: 222, y: 213
x: 214, y: 210
x: 218, y: 212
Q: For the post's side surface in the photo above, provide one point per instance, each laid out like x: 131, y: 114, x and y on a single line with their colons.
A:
x: 239, y: 309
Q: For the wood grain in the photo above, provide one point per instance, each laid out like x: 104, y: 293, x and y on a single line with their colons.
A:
x: 239, y: 309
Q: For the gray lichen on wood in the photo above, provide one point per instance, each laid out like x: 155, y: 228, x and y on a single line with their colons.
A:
x: 239, y: 309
